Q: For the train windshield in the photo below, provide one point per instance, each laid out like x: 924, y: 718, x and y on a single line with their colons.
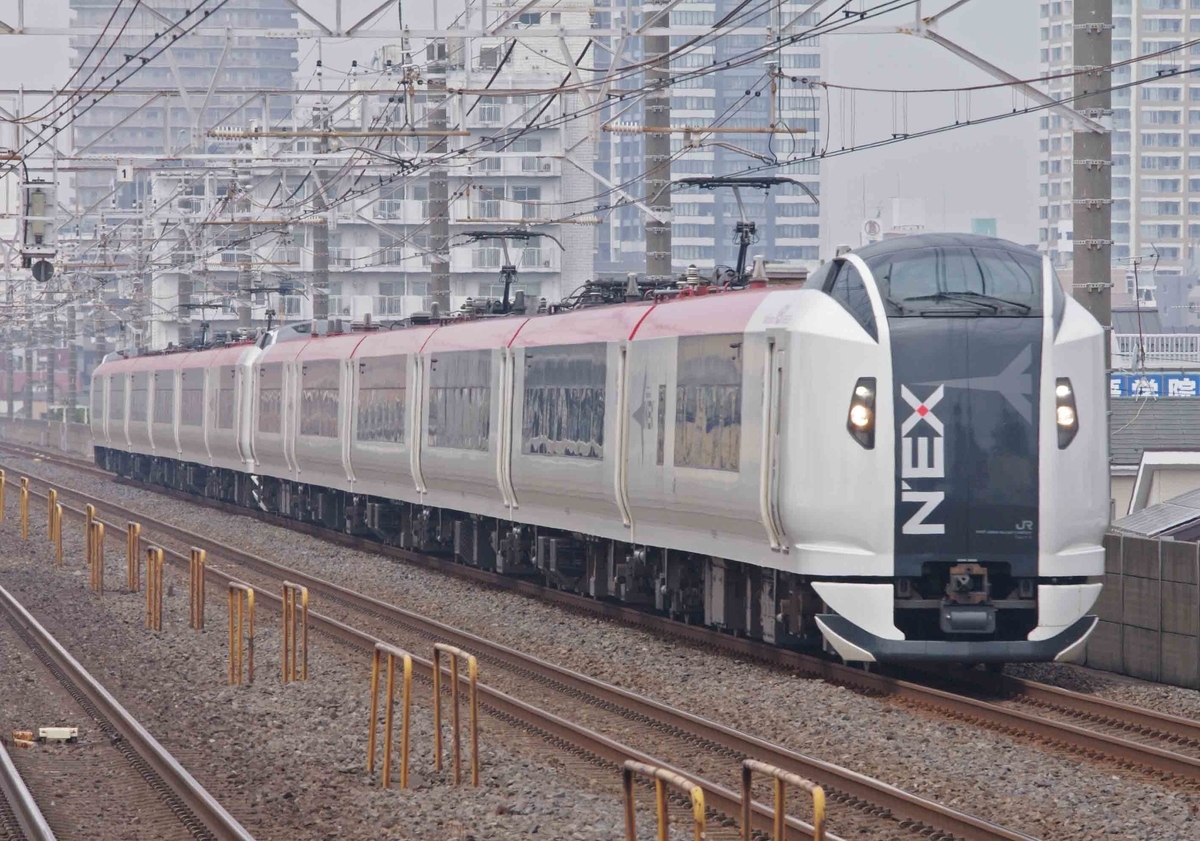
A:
x: 959, y: 280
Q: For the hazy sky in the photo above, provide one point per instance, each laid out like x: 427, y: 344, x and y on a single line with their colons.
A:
x: 977, y: 171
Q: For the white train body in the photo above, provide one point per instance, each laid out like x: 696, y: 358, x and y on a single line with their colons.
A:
x: 703, y: 456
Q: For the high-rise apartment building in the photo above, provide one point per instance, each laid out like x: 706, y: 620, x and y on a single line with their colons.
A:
x: 142, y: 125
x: 732, y: 95
x: 1156, y: 138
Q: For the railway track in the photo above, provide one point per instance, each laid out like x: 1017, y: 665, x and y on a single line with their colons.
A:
x: 1164, y: 747
x: 573, y: 709
x: 20, y: 817
x: 117, y: 770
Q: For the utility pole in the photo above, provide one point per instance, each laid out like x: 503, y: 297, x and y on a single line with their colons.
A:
x: 439, y: 182
x: 1092, y: 165
x: 658, y: 144
x: 8, y: 373
x: 51, y: 360
x: 72, y: 361
x: 320, y: 284
x: 27, y: 409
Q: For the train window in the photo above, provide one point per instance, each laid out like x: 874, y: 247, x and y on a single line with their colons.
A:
x: 97, y: 397
x: 381, y: 399
x: 982, y: 281
x: 564, y: 401
x: 460, y: 404
x: 116, y: 397
x: 139, y: 398
x: 817, y: 279
x: 319, y: 398
x: 191, y: 409
x: 227, y: 379
x: 849, y: 290
x: 708, y: 402
x: 270, y: 398
x: 164, y: 397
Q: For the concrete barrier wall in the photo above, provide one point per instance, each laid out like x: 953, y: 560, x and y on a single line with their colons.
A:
x: 1149, y: 611
x: 71, y: 438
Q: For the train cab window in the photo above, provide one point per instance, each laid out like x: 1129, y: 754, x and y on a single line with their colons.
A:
x: 845, y: 285
x: 959, y: 280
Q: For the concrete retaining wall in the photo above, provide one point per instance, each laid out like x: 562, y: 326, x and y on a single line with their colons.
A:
x: 72, y: 438
x: 1149, y: 611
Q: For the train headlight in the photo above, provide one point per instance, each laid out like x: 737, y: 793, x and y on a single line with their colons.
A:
x: 1065, y: 416
x: 860, y: 420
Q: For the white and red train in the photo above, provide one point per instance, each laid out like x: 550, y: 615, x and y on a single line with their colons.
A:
x: 906, y: 458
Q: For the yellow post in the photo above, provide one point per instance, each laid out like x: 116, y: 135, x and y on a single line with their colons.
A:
x: 781, y: 778
x: 199, y: 559
x: 97, y: 565
x: 241, y: 603
x: 472, y: 682
x: 662, y: 779
x: 89, y: 514
x: 51, y: 501
x: 384, y: 652
x: 133, y: 556
x: 295, y: 639
x: 3, y: 484
x: 58, y: 517
x: 154, y: 588
x: 24, y: 507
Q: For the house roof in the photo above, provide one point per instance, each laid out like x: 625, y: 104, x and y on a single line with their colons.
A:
x: 1166, y: 423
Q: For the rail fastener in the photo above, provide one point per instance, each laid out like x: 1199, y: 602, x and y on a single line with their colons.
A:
x: 390, y: 653
x: 295, y: 639
x: 781, y: 779
x: 154, y: 587
x: 455, y: 654
x: 241, y: 627
x: 197, y: 561
x: 662, y: 779
x: 133, y: 556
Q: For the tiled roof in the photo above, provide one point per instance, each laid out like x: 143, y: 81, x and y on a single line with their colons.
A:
x: 1168, y: 423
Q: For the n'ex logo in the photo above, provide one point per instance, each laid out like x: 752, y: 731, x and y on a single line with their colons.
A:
x: 922, y: 459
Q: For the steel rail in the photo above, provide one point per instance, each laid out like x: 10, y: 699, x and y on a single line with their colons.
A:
x: 24, y: 808
x: 902, y: 804
x: 183, y: 785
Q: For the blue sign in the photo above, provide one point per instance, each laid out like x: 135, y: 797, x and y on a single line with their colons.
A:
x: 1154, y: 385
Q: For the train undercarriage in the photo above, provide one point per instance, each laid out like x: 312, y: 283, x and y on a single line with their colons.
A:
x: 776, y: 607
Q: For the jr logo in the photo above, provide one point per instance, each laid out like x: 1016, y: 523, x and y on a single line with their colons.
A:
x: 922, y: 457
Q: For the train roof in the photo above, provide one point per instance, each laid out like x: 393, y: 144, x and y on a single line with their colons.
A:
x: 916, y: 241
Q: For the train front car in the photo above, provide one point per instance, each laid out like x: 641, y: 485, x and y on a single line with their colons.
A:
x: 998, y: 436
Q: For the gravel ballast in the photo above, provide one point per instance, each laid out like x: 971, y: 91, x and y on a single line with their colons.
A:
x: 1012, y: 782
x: 290, y: 761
